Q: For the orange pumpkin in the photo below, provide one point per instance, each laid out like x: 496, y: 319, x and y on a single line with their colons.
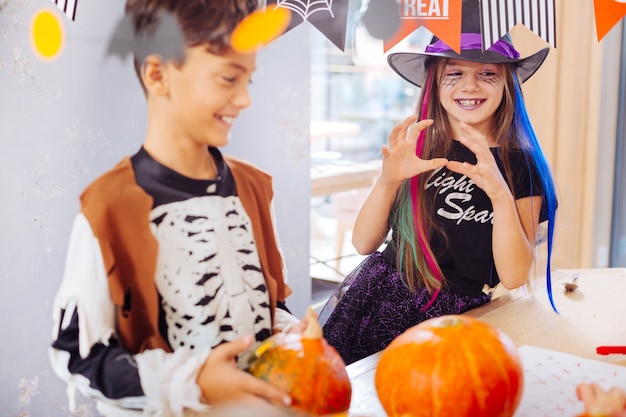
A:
x: 450, y: 366
x: 307, y: 367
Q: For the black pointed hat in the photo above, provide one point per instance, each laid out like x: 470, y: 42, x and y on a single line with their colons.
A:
x: 412, y: 65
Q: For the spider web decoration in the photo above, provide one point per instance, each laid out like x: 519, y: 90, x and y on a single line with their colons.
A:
x: 306, y: 9
x: 67, y: 6
x: 498, y: 17
x: 328, y: 16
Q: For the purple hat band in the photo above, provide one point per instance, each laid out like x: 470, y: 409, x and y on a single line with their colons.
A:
x: 474, y: 41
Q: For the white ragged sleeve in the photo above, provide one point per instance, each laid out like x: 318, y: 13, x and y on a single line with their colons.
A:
x: 85, y: 287
x: 169, y: 381
x: 284, y: 321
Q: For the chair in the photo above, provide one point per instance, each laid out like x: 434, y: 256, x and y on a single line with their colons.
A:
x: 346, y: 205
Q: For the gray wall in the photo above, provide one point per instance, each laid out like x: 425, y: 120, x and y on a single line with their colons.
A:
x: 64, y: 122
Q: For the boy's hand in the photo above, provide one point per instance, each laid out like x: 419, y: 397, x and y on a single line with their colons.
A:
x: 222, y: 382
x: 602, y: 403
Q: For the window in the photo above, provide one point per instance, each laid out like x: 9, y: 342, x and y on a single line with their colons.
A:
x: 356, y: 99
x: 357, y: 87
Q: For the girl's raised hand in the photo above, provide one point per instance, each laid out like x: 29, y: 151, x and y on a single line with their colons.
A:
x: 399, y: 159
x: 485, y: 174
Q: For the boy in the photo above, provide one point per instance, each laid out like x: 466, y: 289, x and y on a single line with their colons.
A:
x: 173, y: 268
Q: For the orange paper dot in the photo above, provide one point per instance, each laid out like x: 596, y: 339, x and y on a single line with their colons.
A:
x: 47, y: 35
x: 260, y: 28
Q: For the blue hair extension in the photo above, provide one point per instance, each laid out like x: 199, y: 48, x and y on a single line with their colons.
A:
x: 524, y: 127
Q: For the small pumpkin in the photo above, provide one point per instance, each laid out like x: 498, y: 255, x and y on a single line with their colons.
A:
x: 451, y: 365
x: 307, y: 367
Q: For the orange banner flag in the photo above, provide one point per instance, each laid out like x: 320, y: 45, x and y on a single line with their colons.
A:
x: 608, y: 13
x: 441, y: 17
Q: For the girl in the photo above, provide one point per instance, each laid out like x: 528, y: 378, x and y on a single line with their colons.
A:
x: 463, y: 188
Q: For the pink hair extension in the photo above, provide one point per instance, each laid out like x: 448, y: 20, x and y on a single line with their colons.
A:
x: 419, y: 149
x: 419, y: 222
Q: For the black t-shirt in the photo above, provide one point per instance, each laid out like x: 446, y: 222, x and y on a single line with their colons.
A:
x: 465, y: 214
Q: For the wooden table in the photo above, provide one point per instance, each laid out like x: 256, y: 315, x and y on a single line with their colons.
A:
x: 334, y: 176
x: 593, y: 315
x: 324, y: 129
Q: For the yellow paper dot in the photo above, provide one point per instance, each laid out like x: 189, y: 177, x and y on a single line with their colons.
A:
x: 260, y: 28
x: 46, y: 34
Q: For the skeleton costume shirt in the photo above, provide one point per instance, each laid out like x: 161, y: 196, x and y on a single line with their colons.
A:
x: 208, y: 271
x: 210, y: 286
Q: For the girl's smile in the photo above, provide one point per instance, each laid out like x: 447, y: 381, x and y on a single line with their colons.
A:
x: 469, y: 104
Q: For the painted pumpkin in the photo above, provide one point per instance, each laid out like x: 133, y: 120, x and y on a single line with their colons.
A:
x: 307, y: 367
x: 450, y: 366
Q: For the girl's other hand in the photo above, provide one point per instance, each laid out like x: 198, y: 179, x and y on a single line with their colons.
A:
x: 222, y: 382
x: 399, y: 159
x: 485, y: 174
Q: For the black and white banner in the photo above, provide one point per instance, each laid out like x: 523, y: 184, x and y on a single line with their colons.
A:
x: 499, y: 16
x: 67, y: 6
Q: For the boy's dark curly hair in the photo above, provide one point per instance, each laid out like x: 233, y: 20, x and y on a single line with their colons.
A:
x: 209, y: 22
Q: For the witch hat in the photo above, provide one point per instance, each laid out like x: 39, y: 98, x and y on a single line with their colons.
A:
x: 412, y: 65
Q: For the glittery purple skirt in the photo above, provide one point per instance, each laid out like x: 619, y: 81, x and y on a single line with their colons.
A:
x: 373, y: 305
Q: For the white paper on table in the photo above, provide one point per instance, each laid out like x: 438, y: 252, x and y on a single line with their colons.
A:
x: 551, y: 378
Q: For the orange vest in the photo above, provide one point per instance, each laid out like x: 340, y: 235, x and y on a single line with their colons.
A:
x: 118, y: 211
